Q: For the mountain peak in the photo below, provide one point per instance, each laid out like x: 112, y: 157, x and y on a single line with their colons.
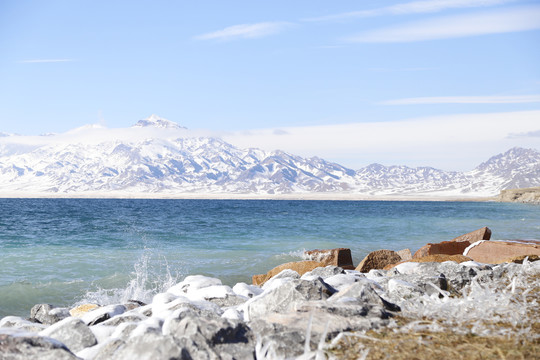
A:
x: 158, y: 122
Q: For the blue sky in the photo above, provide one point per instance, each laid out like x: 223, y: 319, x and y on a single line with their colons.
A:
x: 255, y: 70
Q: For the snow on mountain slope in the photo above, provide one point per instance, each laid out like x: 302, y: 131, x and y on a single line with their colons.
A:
x: 172, y: 164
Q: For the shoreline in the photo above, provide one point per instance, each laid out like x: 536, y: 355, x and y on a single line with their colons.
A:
x: 236, y: 196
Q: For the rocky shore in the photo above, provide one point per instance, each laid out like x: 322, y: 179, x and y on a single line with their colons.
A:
x: 303, y: 309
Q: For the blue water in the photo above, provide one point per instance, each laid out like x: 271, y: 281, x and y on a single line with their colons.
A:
x: 64, y: 251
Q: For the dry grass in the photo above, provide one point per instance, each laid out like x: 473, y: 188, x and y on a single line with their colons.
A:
x: 432, y: 346
x: 451, y: 343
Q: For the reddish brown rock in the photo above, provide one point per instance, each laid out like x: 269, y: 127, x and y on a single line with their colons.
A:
x: 474, y: 236
x: 378, y: 260
x: 405, y: 254
x: 338, y: 257
x: 445, y: 247
x: 301, y: 267
x: 495, y: 252
x: 455, y: 246
x: 434, y: 258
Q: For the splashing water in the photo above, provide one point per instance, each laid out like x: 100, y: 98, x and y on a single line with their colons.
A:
x: 151, y: 275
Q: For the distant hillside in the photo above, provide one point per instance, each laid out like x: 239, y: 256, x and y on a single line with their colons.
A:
x: 527, y: 195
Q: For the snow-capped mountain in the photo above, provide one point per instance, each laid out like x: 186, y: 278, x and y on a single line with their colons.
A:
x: 176, y: 164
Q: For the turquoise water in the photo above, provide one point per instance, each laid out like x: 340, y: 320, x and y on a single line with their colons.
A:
x: 64, y: 251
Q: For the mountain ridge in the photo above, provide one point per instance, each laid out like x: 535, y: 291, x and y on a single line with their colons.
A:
x: 207, y: 165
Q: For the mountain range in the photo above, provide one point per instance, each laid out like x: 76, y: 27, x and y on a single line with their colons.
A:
x: 155, y: 157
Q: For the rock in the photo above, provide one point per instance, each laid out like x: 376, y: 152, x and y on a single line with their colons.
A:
x: 445, y: 247
x: 21, y: 345
x: 283, y: 298
x: 455, y: 246
x: 495, y: 252
x: 101, y: 314
x: 222, y: 295
x: 405, y: 254
x: 276, y: 341
x: 474, y: 236
x: 102, y: 351
x: 73, y: 332
x: 80, y: 310
x: 323, y: 272
x: 337, y: 257
x: 364, y: 293
x: 223, y: 336
x: 341, y: 281
x: 301, y: 267
x: 378, y: 260
x: 18, y: 323
x: 439, y: 258
x: 124, y: 318
x: 193, y: 283
x: 151, y: 347
x: 47, y: 314
x: 246, y: 290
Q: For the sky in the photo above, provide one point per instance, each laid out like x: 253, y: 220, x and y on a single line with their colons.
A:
x: 421, y: 83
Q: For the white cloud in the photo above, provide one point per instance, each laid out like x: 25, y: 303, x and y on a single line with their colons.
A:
x: 415, y: 7
x: 483, y: 23
x: 514, y: 99
x: 245, y: 31
x: 46, y: 61
x: 452, y: 142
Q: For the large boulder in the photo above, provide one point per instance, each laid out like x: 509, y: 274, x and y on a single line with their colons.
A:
x: 378, y: 260
x: 47, y: 314
x: 495, y: 252
x: 20, y: 345
x: 284, y: 298
x: 301, y: 267
x: 474, y: 236
x: 72, y: 332
x: 338, y: 257
x: 455, y: 246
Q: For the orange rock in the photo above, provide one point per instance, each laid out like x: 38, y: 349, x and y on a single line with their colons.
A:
x: 474, y: 236
x: 338, y: 257
x: 378, y: 260
x: 301, y: 267
x: 82, y: 309
x: 434, y: 258
x: 495, y: 252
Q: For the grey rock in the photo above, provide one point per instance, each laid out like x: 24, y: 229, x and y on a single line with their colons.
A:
x: 282, y: 299
x: 363, y: 292
x: 276, y: 341
x: 106, y: 350
x: 323, y: 272
x: 73, y: 332
x: 228, y: 300
x: 47, y: 314
x: 151, y: 347
x: 20, y: 345
x: 21, y: 324
x: 124, y: 330
x: 246, y: 290
x: 124, y: 318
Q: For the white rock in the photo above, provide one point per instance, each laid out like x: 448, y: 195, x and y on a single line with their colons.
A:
x: 246, y: 290
x: 341, y: 280
x: 192, y: 283
x: 233, y: 314
x: 407, y: 268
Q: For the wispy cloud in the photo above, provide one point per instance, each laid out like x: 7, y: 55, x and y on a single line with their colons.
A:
x: 483, y: 23
x: 415, y: 7
x: 528, y: 134
x: 513, y: 99
x: 246, y: 31
x: 45, y: 61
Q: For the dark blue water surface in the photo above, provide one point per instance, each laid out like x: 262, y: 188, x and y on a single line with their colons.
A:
x: 65, y: 250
